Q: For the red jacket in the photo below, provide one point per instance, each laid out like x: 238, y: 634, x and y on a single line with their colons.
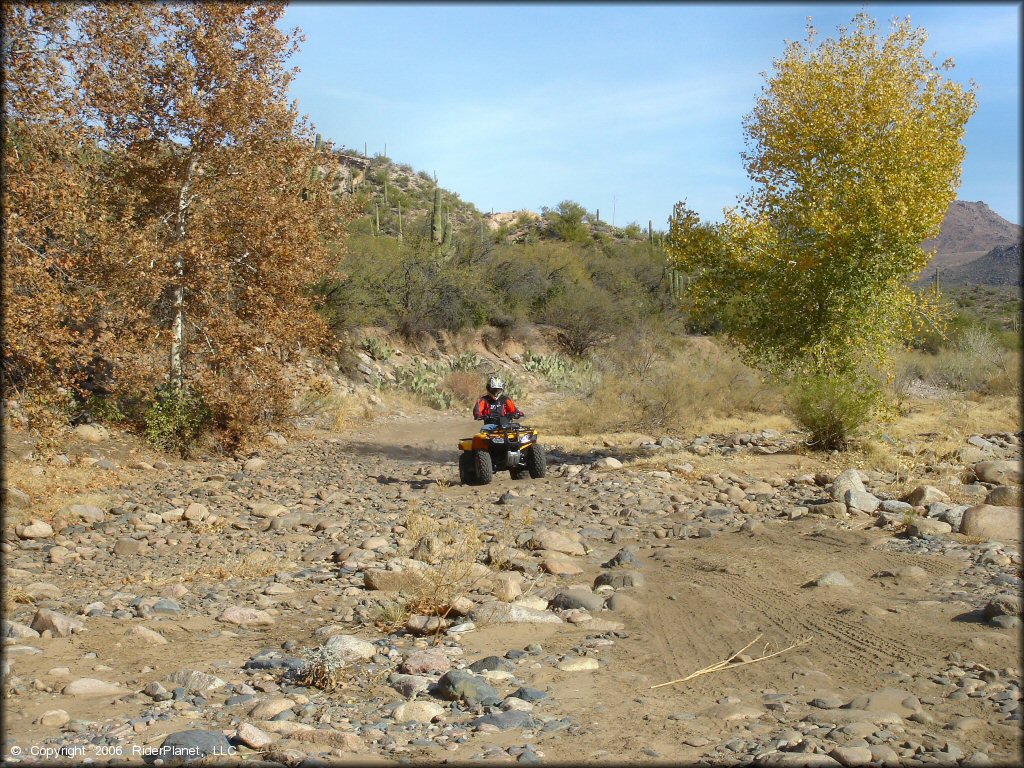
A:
x: 485, y: 407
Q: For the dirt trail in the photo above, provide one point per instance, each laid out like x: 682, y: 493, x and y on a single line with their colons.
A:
x: 702, y: 598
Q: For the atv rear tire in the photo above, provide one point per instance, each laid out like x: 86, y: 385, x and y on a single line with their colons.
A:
x: 467, y: 472
x: 483, y: 467
x: 536, y: 461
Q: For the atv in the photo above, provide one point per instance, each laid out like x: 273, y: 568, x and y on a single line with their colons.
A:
x: 501, y: 445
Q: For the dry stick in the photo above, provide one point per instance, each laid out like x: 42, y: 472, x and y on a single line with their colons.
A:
x: 726, y: 665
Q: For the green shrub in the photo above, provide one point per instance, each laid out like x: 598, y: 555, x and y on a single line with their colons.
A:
x: 833, y: 408
x: 176, y: 419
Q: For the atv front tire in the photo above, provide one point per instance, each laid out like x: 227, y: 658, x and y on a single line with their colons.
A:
x: 536, y: 461
x: 483, y: 467
x: 467, y: 472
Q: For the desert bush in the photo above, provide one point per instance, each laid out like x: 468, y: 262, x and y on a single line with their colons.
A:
x: 324, y: 669
x: 176, y: 419
x: 976, y: 363
x: 832, y: 408
x: 451, y: 546
x: 464, y: 386
x: 561, y: 372
x: 584, y: 318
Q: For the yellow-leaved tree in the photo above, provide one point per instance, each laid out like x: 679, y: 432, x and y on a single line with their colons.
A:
x: 854, y: 148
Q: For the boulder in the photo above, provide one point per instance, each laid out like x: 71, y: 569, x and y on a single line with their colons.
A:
x: 1005, y: 496
x: 986, y: 521
x: 608, y: 462
x: 87, y: 513
x: 926, y: 526
x: 36, y: 529
x: 418, y: 711
x: 998, y: 472
x: 496, y: 612
x: 244, y: 616
x: 91, y: 433
x: 88, y: 686
x: 861, y: 501
x: 924, y: 495
x: 846, y: 481
x: 350, y: 648
x: 59, y: 624
x: 566, y: 542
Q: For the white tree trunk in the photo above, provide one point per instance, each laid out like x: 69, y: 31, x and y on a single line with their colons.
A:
x: 178, y: 328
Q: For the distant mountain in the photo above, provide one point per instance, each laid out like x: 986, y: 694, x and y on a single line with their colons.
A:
x: 969, y: 231
x: 1000, y: 266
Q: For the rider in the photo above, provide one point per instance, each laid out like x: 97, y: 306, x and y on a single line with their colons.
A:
x: 495, y: 404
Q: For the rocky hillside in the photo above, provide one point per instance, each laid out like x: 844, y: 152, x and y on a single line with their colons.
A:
x: 1000, y: 266
x: 969, y: 231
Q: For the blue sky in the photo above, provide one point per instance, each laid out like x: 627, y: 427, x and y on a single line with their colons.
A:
x: 626, y: 109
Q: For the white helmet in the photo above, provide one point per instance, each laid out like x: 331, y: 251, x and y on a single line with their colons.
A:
x: 495, y: 386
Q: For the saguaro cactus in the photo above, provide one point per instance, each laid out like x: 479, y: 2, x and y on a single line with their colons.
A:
x: 436, y: 227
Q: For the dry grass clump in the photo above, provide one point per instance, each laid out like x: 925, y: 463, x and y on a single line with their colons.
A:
x: 682, y: 388
x: 464, y: 385
x: 975, y: 363
x: 325, y: 669
x: 254, y: 565
x: 450, y: 547
x: 333, y: 408
x: 60, y: 487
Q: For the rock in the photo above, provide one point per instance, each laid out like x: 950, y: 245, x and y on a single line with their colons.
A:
x: 253, y: 737
x: 998, y: 472
x: 411, y: 685
x: 925, y: 526
x: 425, y: 625
x: 350, y: 648
x: 577, y: 598
x: 496, y: 612
x: 244, y: 616
x: 268, y: 709
x: 924, y: 495
x: 196, y: 512
x: 832, y: 579
x: 428, y: 662
x: 269, y: 509
x: 127, y: 547
x: 59, y: 624
x: 88, y: 686
x: 460, y: 685
x: 1003, y: 605
x: 193, y: 745
x: 254, y: 464
x: 990, y: 522
x: 91, y: 433
x: 624, y: 558
x: 861, y: 501
x: 504, y: 721
x: 17, y: 630
x: 392, y: 581
x: 41, y: 590
x: 194, y: 681
x: 579, y: 665
x: 895, y: 507
x: 418, y: 711
x: 851, y: 755
x: 846, y: 481
x: 1005, y: 496
x: 507, y: 586
x: 608, y: 462
x: 558, y: 564
x: 36, y: 529
x: 15, y: 498
x: 887, y: 700
x: 619, y: 579
x: 557, y: 541
x: 147, y: 635
x: 87, y: 513
x: 834, y: 509
x: 796, y: 760
x: 54, y: 718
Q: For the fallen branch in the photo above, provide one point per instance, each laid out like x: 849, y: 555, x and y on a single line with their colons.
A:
x: 728, y: 662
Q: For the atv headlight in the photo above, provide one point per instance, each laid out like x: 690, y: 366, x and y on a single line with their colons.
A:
x: 497, y: 439
x: 525, y: 438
